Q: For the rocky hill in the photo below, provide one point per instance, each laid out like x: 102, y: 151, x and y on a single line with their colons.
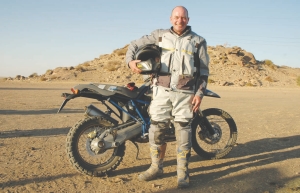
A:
x: 229, y: 66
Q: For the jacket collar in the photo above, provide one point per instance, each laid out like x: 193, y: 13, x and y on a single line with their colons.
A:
x: 187, y: 30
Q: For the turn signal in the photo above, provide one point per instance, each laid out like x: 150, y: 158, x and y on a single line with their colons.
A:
x: 74, y: 91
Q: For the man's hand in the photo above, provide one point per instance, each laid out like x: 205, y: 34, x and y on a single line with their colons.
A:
x: 133, y: 67
x: 196, y: 103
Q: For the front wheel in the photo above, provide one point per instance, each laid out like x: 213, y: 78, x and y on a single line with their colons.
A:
x: 80, y: 151
x: 221, y: 143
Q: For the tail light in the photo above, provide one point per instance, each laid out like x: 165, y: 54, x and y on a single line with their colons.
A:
x: 74, y: 91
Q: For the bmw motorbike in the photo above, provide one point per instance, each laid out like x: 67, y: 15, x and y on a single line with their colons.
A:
x: 96, y: 144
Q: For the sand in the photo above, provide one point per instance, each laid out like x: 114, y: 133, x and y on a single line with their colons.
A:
x: 266, y: 158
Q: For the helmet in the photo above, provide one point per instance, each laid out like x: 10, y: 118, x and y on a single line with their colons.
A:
x: 149, y: 55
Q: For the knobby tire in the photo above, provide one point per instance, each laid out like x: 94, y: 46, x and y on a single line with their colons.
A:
x: 225, y: 123
x: 82, y: 164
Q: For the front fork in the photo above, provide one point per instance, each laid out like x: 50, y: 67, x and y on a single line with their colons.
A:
x: 206, y: 123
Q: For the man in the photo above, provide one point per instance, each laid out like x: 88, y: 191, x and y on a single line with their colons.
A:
x: 184, y: 58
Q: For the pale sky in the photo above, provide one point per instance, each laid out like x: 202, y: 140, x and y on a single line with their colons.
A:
x: 37, y: 35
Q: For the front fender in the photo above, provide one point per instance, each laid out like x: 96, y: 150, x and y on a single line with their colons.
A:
x: 210, y: 93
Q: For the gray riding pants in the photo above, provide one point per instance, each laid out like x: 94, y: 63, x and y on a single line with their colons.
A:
x: 165, y: 104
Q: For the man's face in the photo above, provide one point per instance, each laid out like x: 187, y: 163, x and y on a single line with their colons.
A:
x: 179, y: 20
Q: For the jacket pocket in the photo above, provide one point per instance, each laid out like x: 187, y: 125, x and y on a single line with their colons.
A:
x: 164, y: 81
x: 185, y: 82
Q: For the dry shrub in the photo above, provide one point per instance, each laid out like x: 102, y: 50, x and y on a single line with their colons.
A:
x: 215, y: 62
x: 80, y: 68
x: 247, y: 65
x: 270, y: 64
x: 33, y: 75
x: 49, y: 72
x: 121, y: 51
x: 249, y: 84
x: 210, y: 81
x: 269, y: 79
x: 43, y: 79
x: 298, y: 81
x: 86, y: 64
x: 54, y: 77
x: 226, y: 45
x: 113, y: 65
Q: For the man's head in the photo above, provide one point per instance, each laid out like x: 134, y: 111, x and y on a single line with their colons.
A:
x: 179, y: 19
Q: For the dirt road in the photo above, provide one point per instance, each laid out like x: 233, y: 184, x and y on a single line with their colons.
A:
x: 266, y: 159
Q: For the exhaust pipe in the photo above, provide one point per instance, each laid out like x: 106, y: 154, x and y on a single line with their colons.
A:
x: 99, y: 144
x: 93, y: 111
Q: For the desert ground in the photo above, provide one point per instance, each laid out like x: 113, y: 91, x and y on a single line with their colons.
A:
x: 266, y: 158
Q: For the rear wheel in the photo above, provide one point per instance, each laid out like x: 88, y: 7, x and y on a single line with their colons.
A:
x: 221, y: 143
x: 79, y: 151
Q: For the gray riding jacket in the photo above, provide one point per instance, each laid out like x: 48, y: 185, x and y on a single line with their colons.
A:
x: 177, y: 58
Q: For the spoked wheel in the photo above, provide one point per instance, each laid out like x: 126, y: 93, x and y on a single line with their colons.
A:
x: 81, y: 154
x: 219, y: 144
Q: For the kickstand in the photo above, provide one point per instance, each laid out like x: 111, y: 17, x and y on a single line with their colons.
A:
x: 137, y: 148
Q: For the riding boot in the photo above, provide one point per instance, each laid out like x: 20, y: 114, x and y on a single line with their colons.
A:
x: 182, y: 168
x: 156, y: 169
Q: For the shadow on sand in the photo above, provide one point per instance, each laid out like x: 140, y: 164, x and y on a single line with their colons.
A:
x: 39, y: 112
x: 34, y: 133
x: 225, y: 173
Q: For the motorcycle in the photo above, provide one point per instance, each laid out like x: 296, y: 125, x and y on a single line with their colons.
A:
x: 96, y: 144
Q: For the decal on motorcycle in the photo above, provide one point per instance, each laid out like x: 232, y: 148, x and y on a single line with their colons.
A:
x: 101, y: 86
x: 112, y: 88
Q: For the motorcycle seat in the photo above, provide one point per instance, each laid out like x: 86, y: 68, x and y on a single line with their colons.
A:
x: 109, y: 90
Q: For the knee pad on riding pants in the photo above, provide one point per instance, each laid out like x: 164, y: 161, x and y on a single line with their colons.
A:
x: 183, y: 132
x: 157, y: 133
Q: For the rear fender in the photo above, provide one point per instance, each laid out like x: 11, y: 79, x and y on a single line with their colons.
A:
x: 67, y: 97
x: 90, y: 95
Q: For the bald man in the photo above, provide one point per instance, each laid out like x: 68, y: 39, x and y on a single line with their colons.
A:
x: 177, y: 90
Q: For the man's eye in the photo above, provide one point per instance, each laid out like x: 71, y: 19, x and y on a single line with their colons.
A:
x: 182, y: 18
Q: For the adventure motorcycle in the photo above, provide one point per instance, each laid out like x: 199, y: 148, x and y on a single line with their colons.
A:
x: 96, y: 144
